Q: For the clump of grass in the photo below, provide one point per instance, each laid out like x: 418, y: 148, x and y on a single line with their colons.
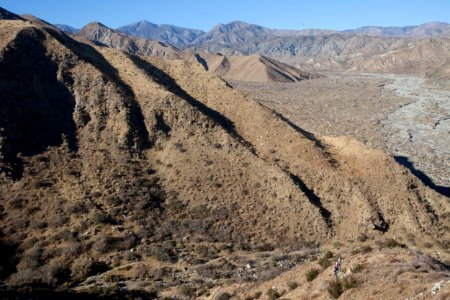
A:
x: 363, y: 237
x: 324, y: 262
x: 358, y: 268
x: 389, y: 243
x: 292, y: 285
x: 273, y: 294
x: 366, y: 249
x: 335, y: 289
x: 349, y: 282
x: 312, y: 274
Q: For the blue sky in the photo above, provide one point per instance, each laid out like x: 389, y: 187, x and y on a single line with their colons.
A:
x: 202, y: 14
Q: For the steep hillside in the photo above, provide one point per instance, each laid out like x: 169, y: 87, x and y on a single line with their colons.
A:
x: 253, y: 68
x: 112, y: 163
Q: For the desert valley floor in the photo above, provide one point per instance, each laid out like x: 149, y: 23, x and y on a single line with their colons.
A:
x: 402, y: 115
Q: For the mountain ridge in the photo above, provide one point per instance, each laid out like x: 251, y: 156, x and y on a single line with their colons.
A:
x: 185, y: 37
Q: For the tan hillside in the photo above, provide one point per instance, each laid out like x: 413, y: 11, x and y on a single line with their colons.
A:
x: 253, y: 68
x: 113, y: 163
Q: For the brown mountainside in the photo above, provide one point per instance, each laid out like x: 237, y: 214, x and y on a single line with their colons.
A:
x: 253, y: 68
x: 111, y: 160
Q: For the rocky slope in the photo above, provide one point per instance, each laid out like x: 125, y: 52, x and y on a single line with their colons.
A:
x: 110, y: 161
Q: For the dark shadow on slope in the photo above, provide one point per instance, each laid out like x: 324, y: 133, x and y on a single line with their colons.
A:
x: 170, y: 84
x: 96, y: 59
x: 382, y: 225
x: 313, y: 199
x: 35, y: 107
x: 201, y: 61
x: 404, y: 161
x: 8, y: 258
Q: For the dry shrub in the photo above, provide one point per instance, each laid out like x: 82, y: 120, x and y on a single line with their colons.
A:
x: 311, y: 274
x: 335, y: 289
x: 292, y: 285
x: 84, y: 267
x: 110, y: 243
x: 324, y: 262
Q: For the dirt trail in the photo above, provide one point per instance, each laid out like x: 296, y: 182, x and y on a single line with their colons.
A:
x: 420, y: 130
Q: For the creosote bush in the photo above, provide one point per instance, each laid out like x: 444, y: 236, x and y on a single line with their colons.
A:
x: 273, y: 294
x: 292, y: 285
x: 324, y: 262
x: 335, y: 289
x: 312, y: 274
x: 357, y: 269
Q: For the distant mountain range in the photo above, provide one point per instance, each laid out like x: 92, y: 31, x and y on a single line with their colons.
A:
x: 170, y: 34
x: 98, y: 32
x: 237, y: 31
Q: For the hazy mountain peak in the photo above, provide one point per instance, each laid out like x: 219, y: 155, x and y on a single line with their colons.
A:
x: 67, y: 28
x: 173, y: 35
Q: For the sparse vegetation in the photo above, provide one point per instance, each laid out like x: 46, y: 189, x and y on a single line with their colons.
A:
x: 103, y: 188
x: 363, y: 237
x: 389, y: 243
x: 223, y: 296
x: 335, y: 288
x: 325, y: 262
